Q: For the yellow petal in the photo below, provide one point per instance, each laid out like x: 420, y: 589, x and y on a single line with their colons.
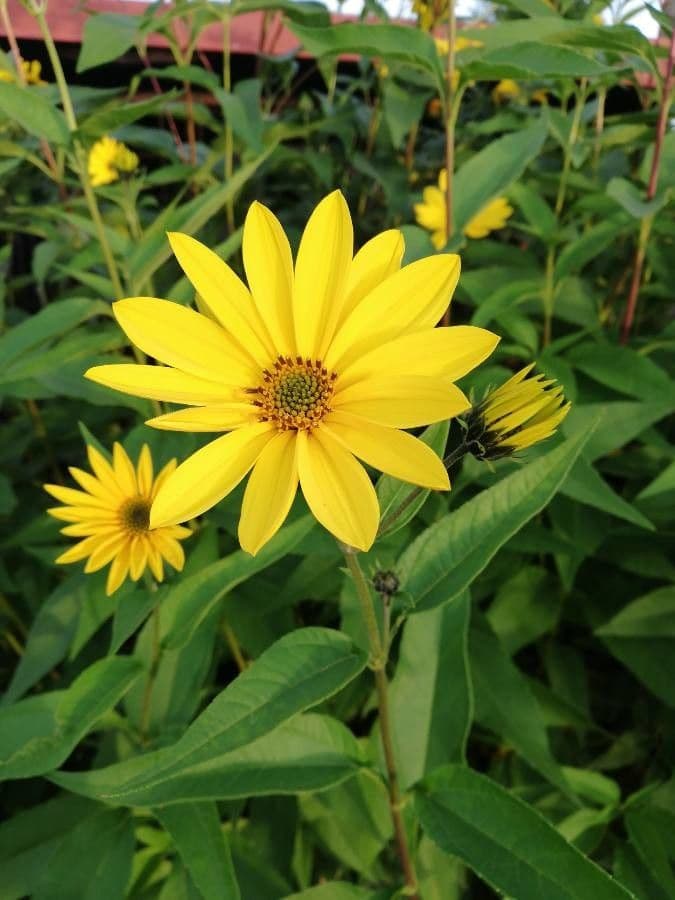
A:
x: 337, y: 489
x: 321, y: 272
x: 208, y: 475
x: 107, y: 549
x: 93, y: 486
x: 391, y: 451
x: 412, y: 299
x: 269, y: 270
x: 72, y: 497
x: 225, y: 295
x: 168, y: 469
x: 269, y: 492
x: 118, y: 570
x: 402, y: 401
x: 449, y: 352
x: 124, y: 471
x: 155, y: 561
x: 102, y: 468
x: 170, y: 549
x: 138, y: 557
x: 86, y: 529
x: 375, y: 261
x: 160, y: 383
x: 184, y: 339
x: 80, y: 550
x: 144, y: 471
x: 83, y: 513
x: 207, y: 418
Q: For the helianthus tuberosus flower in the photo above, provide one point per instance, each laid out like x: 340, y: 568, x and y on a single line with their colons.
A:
x: 107, y: 158
x: 309, y: 368
x: 112, y: 516
x: 431, y: 214
x: 505, y: 90
x: 430, y: 12
x: 522, y: 412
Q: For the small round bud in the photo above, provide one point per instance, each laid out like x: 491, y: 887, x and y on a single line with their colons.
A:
x: 386, y: 583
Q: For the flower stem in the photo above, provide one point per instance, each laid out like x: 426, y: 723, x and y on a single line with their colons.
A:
x: 155, y: 654
x: 80, y: 155
x: 450, y: 117
x: 645, y: 227
x: 378, y: 661
x: 235, y: 647
x: 229, y: 138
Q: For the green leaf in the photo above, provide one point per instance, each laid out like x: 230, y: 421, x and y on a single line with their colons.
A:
x: 619, y: 423
x: 506, y: 842
x: 31, y: 110
x: 116, y: 114
x: 191, y: 600
x: 489, y: 173
x: 203, y: 846
x: 106, y: 37
x: 432, y: 703
x: 403, y: 108
x: 308, y: 753
x: 334, y: 890
x: 505, y: 704
x: 241, y: 110
x: 622, y: 369
x: 392, y: 493
x: 533, y: 60
x: 300, y: 670
x: 389, y: 42
x: 652, y: 615
x: 585, y: 485
x: 588, y: 246
x: 38, y: 734
x: 630, y: 198
x: 93, y: 861
x: 309, y: 11
x: 535, y: 209
x: 444, y: 560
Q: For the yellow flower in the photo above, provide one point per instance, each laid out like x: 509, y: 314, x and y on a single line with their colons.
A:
x: 429, y: 14
x: 313, y: 366
x: 31, y: 71
x: 431, y: 214
x: 112, y: 515
x: 505, y: 90
x: 520, y: 413
x: 461, y: 43
x: 540, y: 96
x: 597, y: 19
x: 107, y: 158
x: 491, y: 218
x: 382, y: 69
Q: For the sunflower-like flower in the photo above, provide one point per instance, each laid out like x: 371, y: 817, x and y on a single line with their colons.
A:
x: 112, y: 516
x: 431, y: 214
x: 522, y: 412
x: 107, y: 158
x: 505, y: 90
x: 307, y: 369
x: 430, y: 12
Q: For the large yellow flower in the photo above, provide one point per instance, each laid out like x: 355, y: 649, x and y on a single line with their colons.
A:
x: 112, y: 515
x: 107, y: 158
x: 505, y: 90
x: 311, y: 367
x: 431, y: 214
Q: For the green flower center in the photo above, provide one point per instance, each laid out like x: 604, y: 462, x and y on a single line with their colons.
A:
x: 135, y: 515
x: 295, y: 394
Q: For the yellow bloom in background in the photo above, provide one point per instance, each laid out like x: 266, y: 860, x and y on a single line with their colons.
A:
x: 431, y: 214
x: 540, y: 96
x: 112, y: 516
x: 429, y: 14
x: 505, y: 90
x: 309, y: 368
x: 491, y: 218
x: 31, y: 69
x: 107, y: 158
x: 522, y: 412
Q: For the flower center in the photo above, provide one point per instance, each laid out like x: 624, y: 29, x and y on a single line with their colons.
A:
x: 295, y: 394
x: 135, y: 515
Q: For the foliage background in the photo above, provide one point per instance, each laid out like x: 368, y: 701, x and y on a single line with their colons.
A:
x: 533, y: 667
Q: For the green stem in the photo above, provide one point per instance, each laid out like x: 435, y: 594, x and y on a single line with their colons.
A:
x: 229, y: 138
x: 155, y: 655
x: 378, y: 655
x: 549, y: 295
x: 80, y: 154
x: 450, y: 117
x: 571, y: 141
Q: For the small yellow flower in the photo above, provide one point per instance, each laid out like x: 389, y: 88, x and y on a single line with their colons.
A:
x: 107, y: 158
x: 520, y: 413
x: 540, y: 96
x: 505, y: 90
x: 597, y: 19
x: 309, y: 368
x: 31, y: 72
x: 431, y: 214
x: 461, y: 43
x: 430, y: 13
x: 382, y: 69
x: 491, y: 218
x: 112, y: 515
